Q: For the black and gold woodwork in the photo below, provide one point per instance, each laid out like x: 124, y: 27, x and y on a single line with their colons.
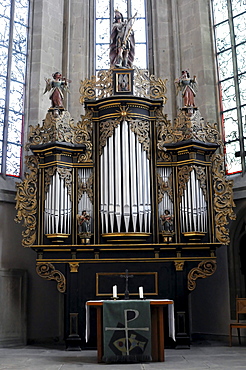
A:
x: 166, y: 252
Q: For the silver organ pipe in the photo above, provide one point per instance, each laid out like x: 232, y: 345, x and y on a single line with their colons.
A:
x: 125, y: 183
x: 118, y: 176
x: 126, y: 176
x: 102, y: 192
x: 111, y: 182
x: 140, y: 187
x: 58, y: 207
x: 105, y: 191
x: 148, y: 200
x: 193, y: 207
x: 62, y: 203
x: 57, y: 202
x: 133, y: 175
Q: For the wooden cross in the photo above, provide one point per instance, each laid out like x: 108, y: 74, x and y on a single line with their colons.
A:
x: 126, y: 276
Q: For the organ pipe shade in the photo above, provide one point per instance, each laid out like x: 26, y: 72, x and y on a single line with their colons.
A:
x: 166, y: 203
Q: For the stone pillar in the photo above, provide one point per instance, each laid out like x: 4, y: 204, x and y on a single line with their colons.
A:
x: 183, y: 39
x: 13, y: 285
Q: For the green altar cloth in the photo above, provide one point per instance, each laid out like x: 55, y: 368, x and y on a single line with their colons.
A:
x: 126, y: 331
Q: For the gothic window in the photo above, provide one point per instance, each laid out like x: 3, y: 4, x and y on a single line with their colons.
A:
x: 13, y: 55
x: 104, y: 19
x: 230, y: 36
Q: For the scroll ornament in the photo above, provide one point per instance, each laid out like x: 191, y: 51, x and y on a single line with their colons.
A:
x: 149, y: 86
x: 47, y: 271
x: 142, y: 130
x: 58, y: 126
x: 163, y: 187
x: 183, y: 178
x: 64, y: 173
x: 86, y: 187
x: 106, y: 130
x: 98, y: 87
x: 203, y: 270
x: 223, y: 199
x: 101, y: 86
x: 82, y: 134
x: 187, y: 126
x: 26, y: 202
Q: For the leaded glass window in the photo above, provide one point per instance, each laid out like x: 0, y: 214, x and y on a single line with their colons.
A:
x: 104, y: 19
x: 13, y: 56
x: 230, y: 36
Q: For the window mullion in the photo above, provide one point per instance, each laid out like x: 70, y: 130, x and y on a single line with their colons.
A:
x: 7, y: 95
x: 237, y: 90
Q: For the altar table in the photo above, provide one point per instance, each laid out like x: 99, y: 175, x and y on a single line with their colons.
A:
x: 157, y: 326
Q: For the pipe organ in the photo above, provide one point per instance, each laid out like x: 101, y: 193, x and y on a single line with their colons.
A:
x: 124, y: 188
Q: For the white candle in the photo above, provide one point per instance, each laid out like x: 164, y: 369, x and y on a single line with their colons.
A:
x: 115, y: 291
x: 140, y: 292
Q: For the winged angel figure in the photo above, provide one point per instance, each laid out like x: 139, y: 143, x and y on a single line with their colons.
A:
x: 56, y: 87
x: 188, y: 86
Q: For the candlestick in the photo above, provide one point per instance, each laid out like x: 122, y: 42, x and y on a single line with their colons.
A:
x: 115, y: 291
x: 141, y: 292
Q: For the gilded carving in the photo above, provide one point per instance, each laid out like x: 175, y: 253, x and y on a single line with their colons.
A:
x: 163, y: 129
x: 179, y: 265
x: 61, y: 128
x: 101, y: 86
x: 98, y: 87
x: 201, y: 176
x: 203, y: 270
x: 183, y: 178
x: 82, y: 134
x: 149, y: 86
x: 86, y: 187
x: 223, y: 199
x: 57, y: 126
x: 48, y: 174
x: 189, y: 124
x: 164, y: 186
x: 106, y: 131
x: 64, y: 173
x: 47, y: 271
x: 74, y: 266
x: 26, y: 202
x: 142, y: 129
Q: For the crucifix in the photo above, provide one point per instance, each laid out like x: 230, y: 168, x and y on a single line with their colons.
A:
x: 126, y: 276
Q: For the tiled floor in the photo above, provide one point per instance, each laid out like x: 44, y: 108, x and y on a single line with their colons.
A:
x: 205, y: 355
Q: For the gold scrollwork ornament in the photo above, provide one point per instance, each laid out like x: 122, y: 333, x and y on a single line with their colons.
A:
x: 223, y: 199
x: 142, y: 130
x: 106, y: 130
x: 47, y: 271
x: 26, y: 202
x: 203, y: 270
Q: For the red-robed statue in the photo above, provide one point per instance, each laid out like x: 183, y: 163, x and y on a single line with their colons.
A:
x: 188, y: 86
x: 56, y: 87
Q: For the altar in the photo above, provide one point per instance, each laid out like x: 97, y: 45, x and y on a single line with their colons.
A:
x: 157, y: 325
